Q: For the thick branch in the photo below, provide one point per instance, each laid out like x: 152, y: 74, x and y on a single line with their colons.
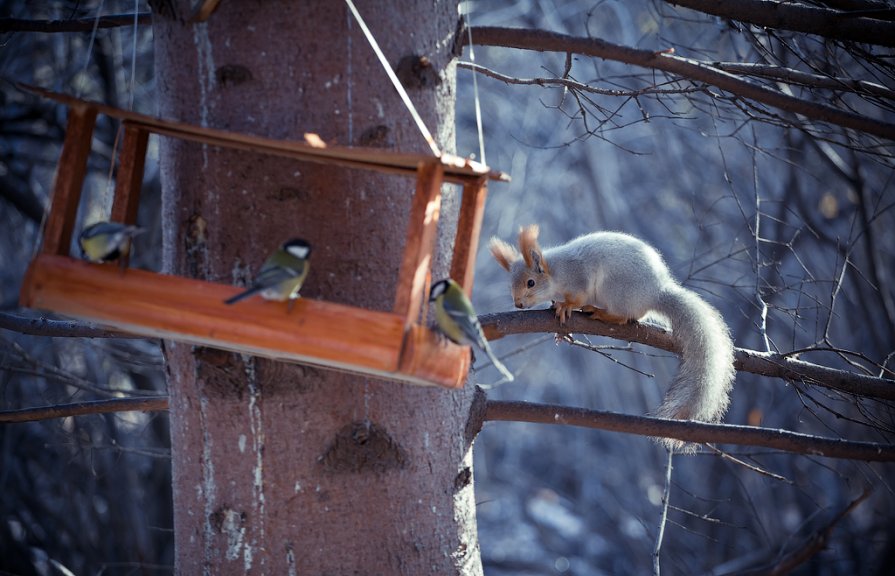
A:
x: 799, y: 18
x: 147, y: 404
x: 75, y: 25
x: 544, y: 41
x: 542, y: 321
x: 766, y: 364
x: 873, y: 8
x: 689, y: 431
x: 549, y: 414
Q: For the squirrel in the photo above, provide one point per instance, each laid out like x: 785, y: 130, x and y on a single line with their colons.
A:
x: 618, y: 278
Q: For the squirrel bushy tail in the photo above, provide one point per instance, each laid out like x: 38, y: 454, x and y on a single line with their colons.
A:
x: 701, y: 389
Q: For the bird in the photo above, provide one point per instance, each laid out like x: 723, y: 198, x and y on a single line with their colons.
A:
x: 105, y: 241
x: 282, y: 274
x: 457, y: 320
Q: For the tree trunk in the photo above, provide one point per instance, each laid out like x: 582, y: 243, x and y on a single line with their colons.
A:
x: 284, y: 469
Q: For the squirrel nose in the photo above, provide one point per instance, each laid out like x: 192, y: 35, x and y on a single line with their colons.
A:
x: 519, y: 304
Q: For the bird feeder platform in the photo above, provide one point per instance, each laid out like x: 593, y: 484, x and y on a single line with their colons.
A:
x: 392, y: 345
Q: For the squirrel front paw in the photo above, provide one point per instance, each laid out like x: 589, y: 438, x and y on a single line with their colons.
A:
x: 563, y: 311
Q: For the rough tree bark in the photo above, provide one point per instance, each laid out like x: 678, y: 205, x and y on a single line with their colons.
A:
x: 285, y: 469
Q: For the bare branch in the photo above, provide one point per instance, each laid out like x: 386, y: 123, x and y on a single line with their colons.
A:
x: 764, y: 363
x: 566, y: 82
x: 874, y: 8
x: 57, y: 328
x: 689, y: 431
x: 814, y: 544
x: 74, y: 25
x: 147, y: 404
x: 757, y: 469
x: 792, y: 76
x: 781, y: 366
x: 799, y: 17
x: 694, y: 70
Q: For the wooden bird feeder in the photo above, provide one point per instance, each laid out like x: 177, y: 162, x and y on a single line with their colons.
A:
x: 391, y: 345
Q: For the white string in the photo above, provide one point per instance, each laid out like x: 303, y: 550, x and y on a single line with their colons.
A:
x: 99, y: 11
x: 397, y: 83
x: 107, y: 191
x: 134, y: 56
x: 475, y: 86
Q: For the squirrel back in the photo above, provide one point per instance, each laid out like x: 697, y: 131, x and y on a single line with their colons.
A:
x: 619, y: 278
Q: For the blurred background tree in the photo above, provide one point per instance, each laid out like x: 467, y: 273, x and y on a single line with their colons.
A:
x: 778, y: 212
x: 88, y: 493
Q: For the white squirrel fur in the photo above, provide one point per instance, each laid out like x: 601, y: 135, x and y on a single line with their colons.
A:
x: 620, y: 278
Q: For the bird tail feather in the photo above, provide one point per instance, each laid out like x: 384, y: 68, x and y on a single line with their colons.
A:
x: 244, y: 294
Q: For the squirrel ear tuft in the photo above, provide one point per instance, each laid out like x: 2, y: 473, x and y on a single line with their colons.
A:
x: 503, y: 253
x: 531, y: 250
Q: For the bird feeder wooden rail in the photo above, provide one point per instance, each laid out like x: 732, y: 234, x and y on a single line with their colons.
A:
x: 392, y: 345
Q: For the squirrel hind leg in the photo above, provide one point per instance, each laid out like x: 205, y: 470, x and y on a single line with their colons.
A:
x: 604, y: 315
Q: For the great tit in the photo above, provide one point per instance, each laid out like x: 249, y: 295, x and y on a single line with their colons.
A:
x: 106, y: 241
x: 281, y: 275
x: 457, y: 320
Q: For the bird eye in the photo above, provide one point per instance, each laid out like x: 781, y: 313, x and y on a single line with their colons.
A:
x: 531, y: 283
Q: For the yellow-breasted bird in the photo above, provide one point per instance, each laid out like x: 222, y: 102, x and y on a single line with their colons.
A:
x: 457, y: 320
x: 105, y: 241
x: 281, y: 275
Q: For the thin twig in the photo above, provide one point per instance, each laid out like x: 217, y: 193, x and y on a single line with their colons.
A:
x: 57, y: 328
x: 663, y: 517
x: 601, y: 351
x: 74, y: 25
x: 725, y: 456
x: 814, y: 544
x: 573, y: 85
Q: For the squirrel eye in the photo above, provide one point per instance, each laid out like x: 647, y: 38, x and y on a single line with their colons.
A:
x: 531, y: 283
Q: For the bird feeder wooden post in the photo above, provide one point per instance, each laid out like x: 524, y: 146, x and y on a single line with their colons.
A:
x: 469, y: 228
x: 422, y: 228
x: 131, y: 163
x: 394, y: 345
x: 69, y: 179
